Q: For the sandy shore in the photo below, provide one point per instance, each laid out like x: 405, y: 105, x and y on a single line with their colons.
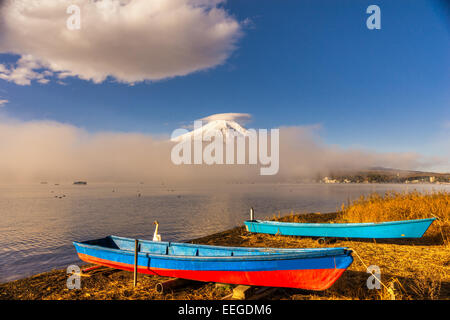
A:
x: 414, y: 269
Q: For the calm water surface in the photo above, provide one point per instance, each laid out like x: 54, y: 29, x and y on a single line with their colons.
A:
x: 37, y: 227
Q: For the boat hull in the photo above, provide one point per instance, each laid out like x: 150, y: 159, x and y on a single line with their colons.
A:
x: 317, y: 272
x: 383, y: 230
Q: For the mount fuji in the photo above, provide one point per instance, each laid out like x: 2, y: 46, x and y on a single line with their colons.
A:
x: 227, y: 128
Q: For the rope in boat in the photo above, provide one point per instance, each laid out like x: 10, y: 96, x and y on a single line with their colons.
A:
x: 379, y: 280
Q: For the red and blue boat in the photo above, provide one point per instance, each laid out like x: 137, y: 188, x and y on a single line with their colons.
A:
x: 311, y: 269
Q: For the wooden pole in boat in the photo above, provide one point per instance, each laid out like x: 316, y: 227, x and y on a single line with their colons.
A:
x: 252, y: 214
x: 136, y: 245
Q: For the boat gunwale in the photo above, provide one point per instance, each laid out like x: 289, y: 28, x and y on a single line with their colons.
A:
x: 338, y: 225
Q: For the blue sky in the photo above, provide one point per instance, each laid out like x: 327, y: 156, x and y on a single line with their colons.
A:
x: 296, y: 63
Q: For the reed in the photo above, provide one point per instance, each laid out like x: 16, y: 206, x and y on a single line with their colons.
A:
x: 394, y: 206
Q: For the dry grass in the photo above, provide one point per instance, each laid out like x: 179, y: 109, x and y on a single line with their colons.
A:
x: 103, y: 284
x: 410, y: 269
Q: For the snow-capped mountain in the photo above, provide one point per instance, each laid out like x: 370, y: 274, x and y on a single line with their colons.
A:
x: 227, y: 128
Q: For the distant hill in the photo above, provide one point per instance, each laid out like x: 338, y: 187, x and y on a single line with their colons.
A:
x: 385, y: 175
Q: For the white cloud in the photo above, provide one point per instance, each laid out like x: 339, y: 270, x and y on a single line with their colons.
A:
x: 3, y: 102
x: 43, y: 81
x: 128, y: 40
x: 238, y: 117
x: 23, y: 72
x: 241, y: 118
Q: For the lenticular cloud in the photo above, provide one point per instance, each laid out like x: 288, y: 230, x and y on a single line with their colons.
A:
x: 128, y: 40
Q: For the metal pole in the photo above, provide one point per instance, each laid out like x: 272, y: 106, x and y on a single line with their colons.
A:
x: 252, y: 214
x: 136, y: 245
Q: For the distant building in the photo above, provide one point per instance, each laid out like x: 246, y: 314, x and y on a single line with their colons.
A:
x: 432, y: 179
x: 328, y: 180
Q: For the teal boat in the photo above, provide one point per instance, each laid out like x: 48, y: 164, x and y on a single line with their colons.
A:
x: 372, y: 230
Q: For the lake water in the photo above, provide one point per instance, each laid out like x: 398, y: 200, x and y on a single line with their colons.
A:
x: 39, y: 222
